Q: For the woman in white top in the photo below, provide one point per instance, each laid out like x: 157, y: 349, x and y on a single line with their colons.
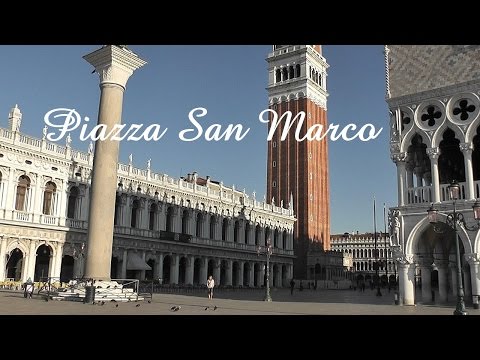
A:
x: 210, y: 285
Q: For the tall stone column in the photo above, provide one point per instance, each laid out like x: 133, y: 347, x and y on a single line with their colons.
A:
x: 175, y: 259
x: 442, y: 267
x: 278, y: 276
x: 11, y: 193
x: 426, y: 271
x: 466, y: 282
x: 406, y: 275
x: 433, y: 154
x: 142, y: 272
x: 240, y: 273
x: 203, y: 271
x: 261, y: 275
x: 228, y: 272
x: 31, y: 260
x: 475, y: 277
x: 115, y: 64
x: 216, y: 272
x: 158, y: 270
x: 58, y: 262
x: 35, y: 200
x: 62, y: 200
x: 3, y: 256
x: 123, y: 275
x: 399, y: 160
x: 467, y: 150
x: 251, y: 274
x: 189, y: 270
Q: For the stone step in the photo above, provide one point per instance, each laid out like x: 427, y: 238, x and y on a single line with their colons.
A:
x: 112, y: 300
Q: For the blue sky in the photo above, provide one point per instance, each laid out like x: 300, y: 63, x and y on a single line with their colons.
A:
x: 230, y: 82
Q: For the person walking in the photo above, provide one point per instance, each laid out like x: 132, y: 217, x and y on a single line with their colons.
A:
x: 210, y: 286
x: 292, y: 286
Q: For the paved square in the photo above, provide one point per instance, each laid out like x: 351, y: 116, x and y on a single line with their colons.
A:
x: 307, y: 302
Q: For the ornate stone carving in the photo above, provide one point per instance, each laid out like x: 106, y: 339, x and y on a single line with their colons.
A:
x: 394, y: 226
x: 399, y: 157
x: 433, y: 153
x: 466, y: 147
x: 472, y: 258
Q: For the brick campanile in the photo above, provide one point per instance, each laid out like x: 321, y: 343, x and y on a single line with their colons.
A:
x: 299, y: 169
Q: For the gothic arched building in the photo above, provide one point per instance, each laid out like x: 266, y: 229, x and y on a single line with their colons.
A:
x: 433, y: 97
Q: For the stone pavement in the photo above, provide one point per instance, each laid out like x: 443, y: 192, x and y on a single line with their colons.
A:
x: 307, y: 302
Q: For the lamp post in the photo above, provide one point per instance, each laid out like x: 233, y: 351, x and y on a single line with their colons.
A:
x: 267, y: 250
x: 452, y: 220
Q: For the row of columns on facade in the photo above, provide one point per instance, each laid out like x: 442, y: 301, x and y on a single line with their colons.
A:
x: 189, y: 271
x: 407, y: 282
x: 160, y: 218
x: 405, y: 178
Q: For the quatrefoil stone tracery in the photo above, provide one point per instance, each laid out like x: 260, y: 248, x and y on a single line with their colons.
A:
x: 431, y: 115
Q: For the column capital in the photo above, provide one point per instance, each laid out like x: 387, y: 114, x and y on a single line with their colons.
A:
x: 114, y: 64
x: 472, y: 259
x: 466, y: 147
x: 404, y: 259
x: 433, y: 153
x: 399, y: 158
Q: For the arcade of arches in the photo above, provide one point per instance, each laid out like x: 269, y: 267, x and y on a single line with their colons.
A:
x: 39, y: 260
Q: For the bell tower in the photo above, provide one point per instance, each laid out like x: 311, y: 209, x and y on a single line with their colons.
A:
x: 297, y: 81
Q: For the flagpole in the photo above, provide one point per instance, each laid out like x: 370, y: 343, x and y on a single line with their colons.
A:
x: 376, y: 248
x: 386, y: 251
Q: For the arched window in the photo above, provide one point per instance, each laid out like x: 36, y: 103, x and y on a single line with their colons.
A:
x: 320, y: 79
x: 212, y: 227
x: 298, y: 71
x: 291, y: 71
x: 198, y: 225
x: 72, y: 202
x: 275, y: 238
x: 451, y: 162
x: 185, y: 216
x: 285, y: 74
x: 134, y: 217
x: 278, y: 76
x: 247, y: 232
x: 236, y: 230
x: 169, y: 220
x: 21, y: 199
x: 257, y: 235
x: 224, y: 229
x: 151, y: 217
x: 284, y: 239
x: 49, y: 198
x: 267, y: 234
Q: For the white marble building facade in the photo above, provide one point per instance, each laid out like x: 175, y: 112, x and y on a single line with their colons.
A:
x: 178, y: 230
x: 433, y: 97
x: 361, y: 248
